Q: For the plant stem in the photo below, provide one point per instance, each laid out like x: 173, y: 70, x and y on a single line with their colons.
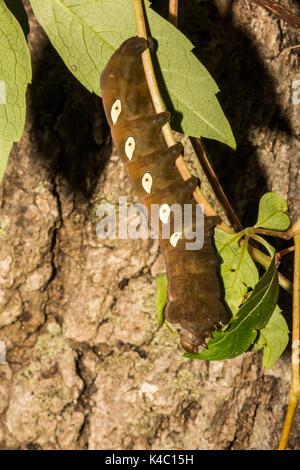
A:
x: 173, y: 12
x: 281, y: 12
x: 264, y: 242
x: 289, y: 49
x: 282, y: 253
x: 272, y: 233
x: 294, y: 230
x: 265, y: 261
x: 294, y: 395
x: 201, y: 153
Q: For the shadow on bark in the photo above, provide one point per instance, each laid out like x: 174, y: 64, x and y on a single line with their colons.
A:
x: 69, y: 124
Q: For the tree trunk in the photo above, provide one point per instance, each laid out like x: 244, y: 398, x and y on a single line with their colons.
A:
x: 86, y: 364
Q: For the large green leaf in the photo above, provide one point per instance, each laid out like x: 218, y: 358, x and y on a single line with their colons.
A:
x: 86, y: 33
x: 242, y: 330
x: 271, y: 212
x: 238, y: 270
x: 18, y: 10
x: 15, y: 74
x: 273, y: 338
x: 5, y: 148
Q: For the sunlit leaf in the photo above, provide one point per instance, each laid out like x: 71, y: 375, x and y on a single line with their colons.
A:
x: 273, y: 338
x: 238, y: 270
x: 271, y: 213
x: 252, y: 316
x: 87, y: 32
x: 15, y: 74
x: 18, y: 10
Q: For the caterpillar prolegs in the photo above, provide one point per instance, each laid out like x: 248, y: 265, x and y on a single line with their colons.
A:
x: 193, y: 298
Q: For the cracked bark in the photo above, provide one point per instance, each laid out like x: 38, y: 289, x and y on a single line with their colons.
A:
x: 87, y: 367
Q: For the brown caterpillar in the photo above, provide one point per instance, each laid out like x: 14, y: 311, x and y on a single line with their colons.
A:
x: 193, y: 285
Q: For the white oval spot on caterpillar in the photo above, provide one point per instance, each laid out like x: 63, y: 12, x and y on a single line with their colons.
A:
x: 164, y: 213
x: 115, y: 111
x: 147, y: 182
x: 174, y: 238
x: 129, y: 147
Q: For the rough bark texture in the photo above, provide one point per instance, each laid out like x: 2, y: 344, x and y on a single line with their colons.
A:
x: 87, y: 366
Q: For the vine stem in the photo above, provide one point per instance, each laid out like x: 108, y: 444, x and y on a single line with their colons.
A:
x: 282, y: 253
x: 173, y: 12
x: 272, y: 233
x: 170, y: 139
x: 214, y: 182
x: 294, y: 395
x: 281, y: 12
x: 289, y: 49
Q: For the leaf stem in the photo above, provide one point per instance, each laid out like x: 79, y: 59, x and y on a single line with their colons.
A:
x: 282, y: 253
x: 294, y: 230
x: 272, y: 233
x: 265, y: 261
x: 173, y: 12
x: 264, y: 242
x: 294, y: 395
x: 202, y: 155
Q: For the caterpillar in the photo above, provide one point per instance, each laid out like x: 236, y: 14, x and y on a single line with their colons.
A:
x: 193, y: 296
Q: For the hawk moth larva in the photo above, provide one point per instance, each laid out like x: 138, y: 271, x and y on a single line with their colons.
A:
x: 193, y: 284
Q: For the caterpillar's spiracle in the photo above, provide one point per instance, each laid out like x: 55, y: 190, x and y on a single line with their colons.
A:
x: 193, y: 285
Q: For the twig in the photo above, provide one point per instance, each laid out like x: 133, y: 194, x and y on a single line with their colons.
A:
x: 281, y: 12
x: 173, y: 12
x: 215, y: 183
x: 282, y: 253
x: 289, y: 48
x: 273, y: 233
x: 265, y: 261
x: 294, y: 395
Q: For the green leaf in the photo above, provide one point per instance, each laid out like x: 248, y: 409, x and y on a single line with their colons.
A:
x: 271, y: 212
x: 242, y: 329
x: 238, y: 270
x: 161, y: 297
x: 18, y: 10
x: 273, y: 338
x: 15, y: 74
x: 5, y: 148
x: 86, y: 33
x: 266, y: 244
